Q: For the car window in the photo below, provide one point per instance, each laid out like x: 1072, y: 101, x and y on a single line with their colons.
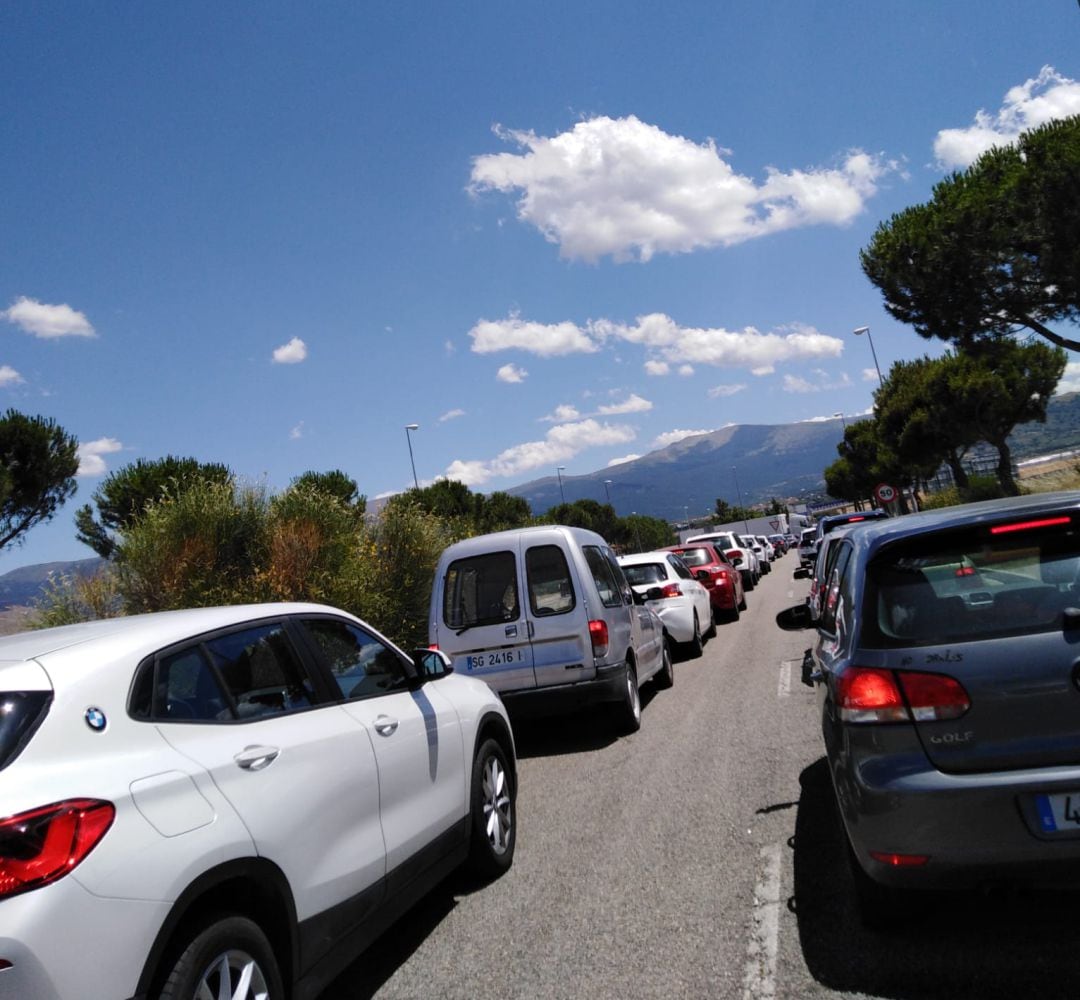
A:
x: 973, y: 583
x: 620, y: 577
x: 645, y: 574
x: 260, y: 670
x: 696, y: 557
x: 361, y: 665
x: 679, y: 567
x: 481, y: 590
x: 551, y: 591
x: 831, y: 596
x: 606, y: 585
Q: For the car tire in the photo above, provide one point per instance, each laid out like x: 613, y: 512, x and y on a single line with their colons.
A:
x: 223, y: 952
x: 733, y: 613
x: 665, y: 676
x: 628, y: 709
x: 749, y: 583
x: 696, y: 646
x: 493, y: 815
x: 742, y: 604
x: 710, y: 633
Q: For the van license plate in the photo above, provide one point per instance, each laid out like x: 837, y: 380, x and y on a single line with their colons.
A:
x: 495, y: 658
x: 1059, y: 812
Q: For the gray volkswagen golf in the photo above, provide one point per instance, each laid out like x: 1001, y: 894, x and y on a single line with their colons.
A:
x: 947, y: 663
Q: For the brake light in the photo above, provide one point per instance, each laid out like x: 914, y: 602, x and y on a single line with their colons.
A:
x: 900, y: 860
x: 966, y: 571
x: 671, y: 590
x: 42, y: 845
x: 1046, y: 522
x: 433, y: 645
x: 598, y: 633
x: 868, y: 694
x: 853, y: 520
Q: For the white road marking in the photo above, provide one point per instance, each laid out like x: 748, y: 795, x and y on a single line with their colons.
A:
x: 759, y: 980
x: 783, y: 688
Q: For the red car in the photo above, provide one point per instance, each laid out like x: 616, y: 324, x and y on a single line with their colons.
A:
x: 724, y: 581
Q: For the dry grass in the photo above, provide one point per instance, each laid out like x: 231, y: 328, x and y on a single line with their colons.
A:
x: 1063, y: 474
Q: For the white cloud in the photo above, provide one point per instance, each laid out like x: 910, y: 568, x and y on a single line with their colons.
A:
x: 8, y: 376
x: 632, y: 404
x: 796, y: 383
x: 537, y: 338
x: 686, y: 370
x: 90, y: 454
x: 560, y: 443
x: 511, y: 374
x: 720, y: 391
x: 563, y: 413
x: 47, y: 321
x: 291, y: 353
x: 626, y: 188
x: 623, y: 460
x: 451, y: 415
x: 1035, y: 102
x: 1070, y: 380
x: 667, y: 342
x: 297, y: 432
x: 670, y: 437
x: 869, y: 375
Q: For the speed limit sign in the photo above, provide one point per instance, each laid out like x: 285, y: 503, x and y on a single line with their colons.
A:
x: 885, y: 493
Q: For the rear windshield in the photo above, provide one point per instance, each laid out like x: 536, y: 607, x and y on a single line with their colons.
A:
x: 21, y: 713
x: 695, y: 557
x: 644, y: 574
x: 808, y: 536
x: 974, y: 583
x: 481, y: 590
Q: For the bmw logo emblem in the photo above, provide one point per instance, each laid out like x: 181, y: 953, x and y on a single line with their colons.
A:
x: 95, y: 719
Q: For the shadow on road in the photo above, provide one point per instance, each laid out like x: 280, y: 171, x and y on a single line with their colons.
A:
x: 961, y: 946
x: 576, y: 732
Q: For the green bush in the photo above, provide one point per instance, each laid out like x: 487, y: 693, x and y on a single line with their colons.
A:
x: 67, y: 599
x: 978, y: 488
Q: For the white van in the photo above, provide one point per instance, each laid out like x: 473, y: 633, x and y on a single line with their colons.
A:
x: 545, y: 616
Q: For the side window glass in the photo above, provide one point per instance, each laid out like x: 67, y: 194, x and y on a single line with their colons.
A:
x: 606, y: 584
x: 620, y: 577
x: 261, y: 672
x: 481, y: 590
x: 362, y: 666
x: 186, y: 690
x: 680, y: 568
x: 551, y: 591
x: 831, y: 597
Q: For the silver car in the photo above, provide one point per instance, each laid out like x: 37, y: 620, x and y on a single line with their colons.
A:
x: 947, y: 664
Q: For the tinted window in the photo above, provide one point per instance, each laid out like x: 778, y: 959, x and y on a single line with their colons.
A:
x: 696, y: 557
x: 187, y: 690
x: 481, y: 590
x: 606, y: 584
x: 361, y: 666
x: 551, y: 591
x: 680, y: 569
x: 21, y: 713
x: 645, y: 574
x: 620, y: 577
x: 973, y: 583
x: 260, y: 670
x: 831, y: 596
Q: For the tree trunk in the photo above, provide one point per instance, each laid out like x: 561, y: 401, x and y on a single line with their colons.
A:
x: 959, y: 473
x: 1004, y: 469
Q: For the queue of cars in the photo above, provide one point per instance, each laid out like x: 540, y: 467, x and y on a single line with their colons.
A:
x: 947, y: 674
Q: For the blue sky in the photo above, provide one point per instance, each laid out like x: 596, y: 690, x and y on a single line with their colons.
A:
x: 551, y: 234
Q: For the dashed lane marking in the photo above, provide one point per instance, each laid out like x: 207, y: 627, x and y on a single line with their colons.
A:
x: 783, y: 687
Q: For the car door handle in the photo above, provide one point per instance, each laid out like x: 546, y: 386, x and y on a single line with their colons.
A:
x: 255, y: 758
x: 385, y: 726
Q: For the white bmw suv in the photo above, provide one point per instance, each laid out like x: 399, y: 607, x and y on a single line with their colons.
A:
x: 231, y: 802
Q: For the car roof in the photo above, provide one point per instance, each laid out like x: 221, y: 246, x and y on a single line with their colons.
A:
x: 484, y: 543
x: 656, y: 555
x: 151, y: 631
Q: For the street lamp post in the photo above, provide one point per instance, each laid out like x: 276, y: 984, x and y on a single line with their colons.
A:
x: 607, y: 483
x: 842, y: 420
x: 408, y: 437
x: 559, y: 471
x: 859, y: 331
x: 738, y: 493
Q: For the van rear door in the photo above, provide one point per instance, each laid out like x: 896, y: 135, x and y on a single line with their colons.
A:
x: 482, y: 623
x: 558, y: 616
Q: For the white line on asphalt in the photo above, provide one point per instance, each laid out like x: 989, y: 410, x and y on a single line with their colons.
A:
x: 783, y: 688
x: 759, y: 981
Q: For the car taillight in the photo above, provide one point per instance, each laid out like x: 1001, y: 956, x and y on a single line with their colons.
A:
x: 868, y: 694
x: 42, y: 845
x: 598, y: 633
x: 671, y: 590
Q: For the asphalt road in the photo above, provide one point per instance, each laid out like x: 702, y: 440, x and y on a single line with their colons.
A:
x: 702, y: 857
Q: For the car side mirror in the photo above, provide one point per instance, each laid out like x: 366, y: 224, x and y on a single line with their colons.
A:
x: 430, y: 664
x: 638, y: 598
x: 796, y: 619
x: 802, y: 573
x: 702, y: 575
x: 654, y: 594
x: 735, y: 560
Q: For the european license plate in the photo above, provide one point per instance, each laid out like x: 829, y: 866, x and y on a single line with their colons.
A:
x: 1059, y: 812
x: 493, y: 658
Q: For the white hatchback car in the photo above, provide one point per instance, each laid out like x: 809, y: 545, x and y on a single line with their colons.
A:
x: 675, y: 594
x: 231, y: 802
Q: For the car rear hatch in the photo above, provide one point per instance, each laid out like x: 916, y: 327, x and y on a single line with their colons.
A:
x: 996, y: 608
